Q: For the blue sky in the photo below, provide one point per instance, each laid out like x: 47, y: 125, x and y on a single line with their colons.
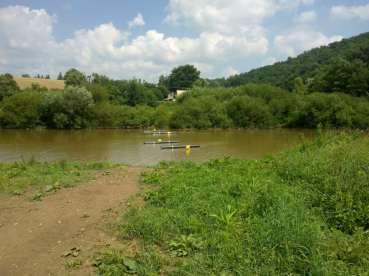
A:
x: 143, y: 39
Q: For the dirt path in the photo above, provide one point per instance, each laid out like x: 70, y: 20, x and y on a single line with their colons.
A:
x: 35, y: 235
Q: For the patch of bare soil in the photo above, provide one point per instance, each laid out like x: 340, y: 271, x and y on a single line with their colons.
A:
x: 39, y: 238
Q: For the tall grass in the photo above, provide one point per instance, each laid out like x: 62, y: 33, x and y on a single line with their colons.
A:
x: 303, y: 212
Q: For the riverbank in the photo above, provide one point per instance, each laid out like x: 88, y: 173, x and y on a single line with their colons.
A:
x: 302, y: 211
x: 58, y: 233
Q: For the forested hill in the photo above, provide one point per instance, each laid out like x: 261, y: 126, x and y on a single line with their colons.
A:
x: 314, y: 66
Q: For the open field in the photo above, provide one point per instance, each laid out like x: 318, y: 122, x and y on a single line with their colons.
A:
x: 24, y: 83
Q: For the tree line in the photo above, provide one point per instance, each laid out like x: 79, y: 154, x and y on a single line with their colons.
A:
x: 90, y: 101
x: 100, y: 102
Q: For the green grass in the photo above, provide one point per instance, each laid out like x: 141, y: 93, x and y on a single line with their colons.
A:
x: 42, y: 178
x: 302, y: 212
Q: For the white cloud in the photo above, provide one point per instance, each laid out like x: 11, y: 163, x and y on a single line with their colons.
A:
x: 227, y: 33
x: 269, y: 61
x: 33, y: 29
x: 308, y: 2
x: 26, y: 38
x: 307, y: 17
x: 302, y: 38
x: 223, y: 16
x: 234, y: 21
x: 230, y: 71
x: 28, y: 45
x: 350, y: 12
x: 138, y: 21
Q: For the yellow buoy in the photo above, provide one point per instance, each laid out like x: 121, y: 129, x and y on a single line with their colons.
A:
x: 188, y: 150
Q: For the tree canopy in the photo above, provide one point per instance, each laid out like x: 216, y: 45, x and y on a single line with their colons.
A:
x: 181, y: 77
x: 73, y: 77
x: 8, y: 86
x: 341, y: 67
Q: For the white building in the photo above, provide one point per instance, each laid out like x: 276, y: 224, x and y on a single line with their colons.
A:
x: 173, y: 95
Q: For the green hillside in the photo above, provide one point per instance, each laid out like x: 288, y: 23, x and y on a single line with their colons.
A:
x: 344, y: 64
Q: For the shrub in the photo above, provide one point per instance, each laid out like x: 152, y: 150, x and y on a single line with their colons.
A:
x: 70, y: 108
x: 22, y: 110
x: 8, y: 86
x: 249, y: 112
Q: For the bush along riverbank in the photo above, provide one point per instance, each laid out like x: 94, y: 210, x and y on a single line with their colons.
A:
x: 305, y: 211
x: 249, y: 106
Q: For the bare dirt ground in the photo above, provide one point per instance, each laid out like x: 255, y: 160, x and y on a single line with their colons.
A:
x: 34, y: 236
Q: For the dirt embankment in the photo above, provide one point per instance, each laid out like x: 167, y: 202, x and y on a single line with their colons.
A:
x: 39, y: 238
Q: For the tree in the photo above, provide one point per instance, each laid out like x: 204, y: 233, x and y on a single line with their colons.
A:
x: 99, y: 79
x: 60, y: 76
x: 26, y: 76
x: 183, y: 77
x: 164, y: 81
x: 73, y: 77
x: 299, y: 86
x: 201, y: 83
x: 135, y: 93
x: 71, y: 108
x: 100, y: 93
x: 8, y: 86
x: 343, y: 76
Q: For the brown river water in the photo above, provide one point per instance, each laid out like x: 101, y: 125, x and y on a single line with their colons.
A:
x: 127, y: 146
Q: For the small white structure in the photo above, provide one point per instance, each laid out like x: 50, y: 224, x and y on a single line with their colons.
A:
x: 173, y: 95
x: 180, y: 92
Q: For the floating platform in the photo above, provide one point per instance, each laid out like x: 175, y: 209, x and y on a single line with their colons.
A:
x: 158, y: 132
x: 161, y: 133
x: 179, y: 147
x: 161, y: 142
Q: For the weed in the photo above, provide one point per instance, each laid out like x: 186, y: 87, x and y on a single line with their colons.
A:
x: 226, y: 217
x: 185, y: 245
x: 114, y: 263
x: 73, y: 264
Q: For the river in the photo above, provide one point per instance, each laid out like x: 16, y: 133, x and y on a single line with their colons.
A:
x: 127, y: 146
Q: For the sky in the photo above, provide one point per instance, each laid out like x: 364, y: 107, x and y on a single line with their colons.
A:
x: 144, y: 39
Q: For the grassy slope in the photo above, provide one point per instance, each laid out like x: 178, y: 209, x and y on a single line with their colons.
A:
x: 45, y: 177
x: 302, y: 212
x: 24, y: 83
